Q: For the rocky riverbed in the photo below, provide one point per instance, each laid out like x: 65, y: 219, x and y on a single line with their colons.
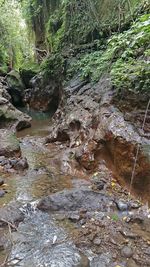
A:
x: 64, y: 187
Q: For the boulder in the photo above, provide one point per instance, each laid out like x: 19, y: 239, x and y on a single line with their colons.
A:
x: 9, y: 115
x: 75, y: 199
x: 15, y: 87
x: 43, y: 95
x: 11, y: 214
x: 9, y: 145
x: 91, y: 125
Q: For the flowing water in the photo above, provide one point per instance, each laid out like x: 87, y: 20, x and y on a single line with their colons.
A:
x: 33, y: 242
x: 40, y: 240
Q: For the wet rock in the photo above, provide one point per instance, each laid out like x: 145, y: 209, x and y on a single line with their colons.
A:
x: 2, y: 158
x: 13, y: 162
x: 8, y: 166
x: 147, y: 251
x: 74, y: 217
x: 3, y: 242
x: 4, y: 162
x: 135, y: 218
x: 75, y: 199
x: 43, y: 93
x: 22, y: 124
x: 33, y: 243
x: 15, y: 87
x: 21, y: 164
x: 9, y: 115
x: 91, y: 124
x: 11, y: 213
x: 127, y: 252
x: 97, y: 241
x: 104, y: 260
x: 122, y: 205
x: 9, y: 145
x: 134, y: 204
x: 2, y: 192
x: 1, y: 181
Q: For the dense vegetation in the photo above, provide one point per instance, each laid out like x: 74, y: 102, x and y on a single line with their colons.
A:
x: 88, y: 38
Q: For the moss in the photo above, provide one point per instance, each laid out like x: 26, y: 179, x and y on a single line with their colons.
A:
x: 53, y: 67
x: 125, y: 58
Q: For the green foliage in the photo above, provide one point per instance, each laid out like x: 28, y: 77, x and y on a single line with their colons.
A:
x: 53, y: 67
x: 14, y: 47
x: 132, y: 75
x: 125, y: 58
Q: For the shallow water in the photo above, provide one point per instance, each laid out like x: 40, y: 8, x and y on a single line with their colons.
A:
x: 33, y: 242
x: 39, y: 124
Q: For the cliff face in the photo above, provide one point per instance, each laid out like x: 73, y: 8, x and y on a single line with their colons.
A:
x: 63, y: 23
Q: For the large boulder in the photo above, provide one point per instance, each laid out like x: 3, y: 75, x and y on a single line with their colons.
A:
x: 93, y: 127
x: 9, y: 145
x: 43, y: 95
x: 74, y: 200
x: 15, y: 87
x: 9, y: 115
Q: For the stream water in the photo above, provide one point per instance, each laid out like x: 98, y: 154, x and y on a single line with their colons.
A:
x: 33, y: 242
x: 40, y: 239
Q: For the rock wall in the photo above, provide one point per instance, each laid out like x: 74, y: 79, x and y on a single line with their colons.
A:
x: 89, y: 123
x: 9, y: 115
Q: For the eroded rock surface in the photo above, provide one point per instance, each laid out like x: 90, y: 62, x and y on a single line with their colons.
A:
x: 42, y: 95
x: 75, y: 199
x: 9, y: 145
x: 90, y: 124
x: 9, y: 115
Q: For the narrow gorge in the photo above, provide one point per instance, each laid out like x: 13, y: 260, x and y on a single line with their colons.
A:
x: 75, y: 133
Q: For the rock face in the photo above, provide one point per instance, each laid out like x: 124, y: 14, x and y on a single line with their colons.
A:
x: 73, y: 200
x: 15, y: 87
x: 9, y: 115
x: 43, y: 95
x: 11, y: 213
x: 9, y: 145
x: 91, y: 125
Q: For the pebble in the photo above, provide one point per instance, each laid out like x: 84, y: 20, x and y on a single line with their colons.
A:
x: 126, y: 252
x: 2, y: 192
x: 97, y: 241
x: 1, y: 181
x: 134, y: 205
x: 22, y: 164
x: 2, y: 158
x: 122, y: 205
x: 74, y: 217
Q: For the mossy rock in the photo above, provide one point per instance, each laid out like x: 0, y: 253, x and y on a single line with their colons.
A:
x: 27, y: 75
x: 14, y: 80
x: 9, y: 145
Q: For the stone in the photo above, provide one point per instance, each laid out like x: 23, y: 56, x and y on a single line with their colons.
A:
x: 11, y: 213
x: 122, y: 205
x: 90, y: 122
x: 74, y: 217
x: 13, y: 162
x: 2, y: 158
x: 127, y: 252
x: 9, y: 145
x: 44, y: 94
x: 1, y: 181
x: 134, y: 205
x: 15, y: 87
x: 103, y: 260
x: 97, y: 241
x: 9, y: 115
x: 2, y: 192
x: 74, y: 200
x: 21, y: 164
